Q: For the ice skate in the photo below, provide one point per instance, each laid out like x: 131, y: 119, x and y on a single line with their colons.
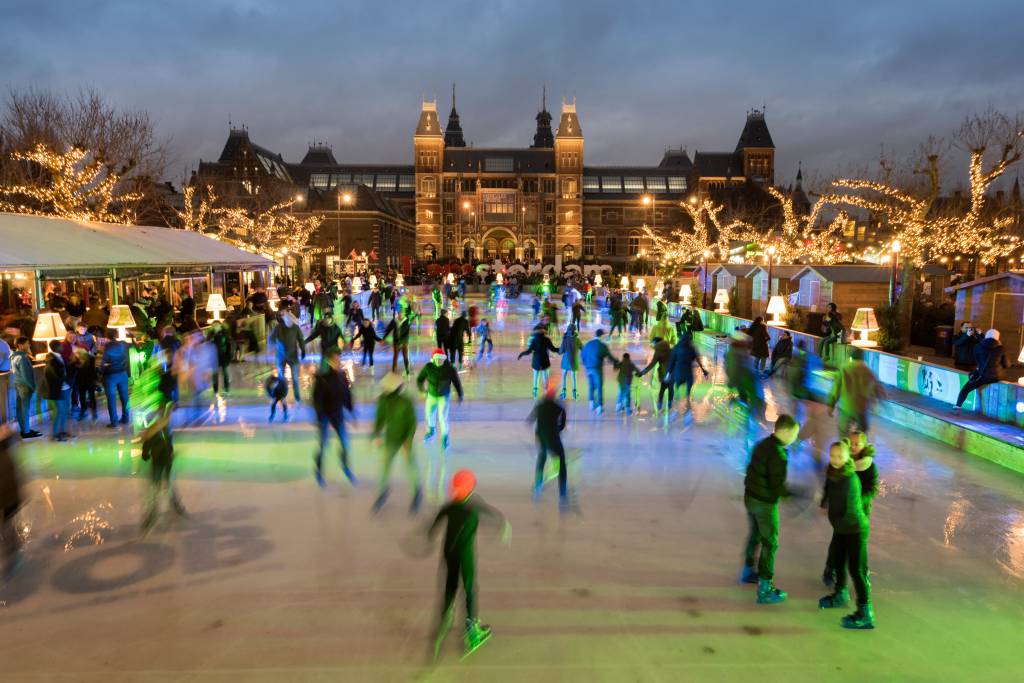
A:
x: 476, y: 635
x: 768, y: 594
x: 379, y: 503
x: 828, y: 577
x: 444, y: 442
x: 838, y: 599
x: 748, y: 575
x: 445, y: 625
x: 429, y: 435
x: 349, y: 475
x: 319, y: 478
x: 861, y: 620
x: 417, y: 501
x: 178, y: 506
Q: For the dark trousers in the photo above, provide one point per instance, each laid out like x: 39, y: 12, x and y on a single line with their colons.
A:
x: 553, y: 444
x: 404, y: 350
x: 616, y: 323
x: 486, y: 341
x: 273, y: 407
x: 763, y: 520
x: 670, y: 388
x: 116, y: 388
x: 848, y: 553
x: 368, y: 354
x: 86, y: 399
x: 460, y: 563
x: 324, y: 424
x: 455, y: 350
x: 23, y: 406
x: 222, y: 370
x: 971, y: 385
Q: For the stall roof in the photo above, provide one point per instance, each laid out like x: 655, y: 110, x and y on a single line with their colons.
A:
x: 43, y: 242
x: 847, y: 273
x: 735, y: 269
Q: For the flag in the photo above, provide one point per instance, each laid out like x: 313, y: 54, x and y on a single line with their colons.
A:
x: 353, y: 255
x: 373, y: 255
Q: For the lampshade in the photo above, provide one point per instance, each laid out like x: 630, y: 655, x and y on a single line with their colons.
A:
x: 865, y: 321
x: 49, y: 326
x: 624, y: 282
x: 1020, y: 358
x: 215, y: 303
x: 776, y: 305
x: 685, y: 292
x: 272, y: 294
x: 399, y: 280
x: 309, y: 287
x: 373, y: 280
x: 722, y: 296
x: 121, y: 317
x: 597, y: 279
x: 499, y: 278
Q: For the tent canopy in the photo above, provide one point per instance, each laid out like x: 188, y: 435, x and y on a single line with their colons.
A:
x: 43, y: 242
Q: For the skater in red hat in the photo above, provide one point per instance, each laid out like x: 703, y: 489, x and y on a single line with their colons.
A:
x: 436, y: 380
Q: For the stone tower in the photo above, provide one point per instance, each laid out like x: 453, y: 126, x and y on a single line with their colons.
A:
x: 569, y: 184
x: 428, y: 155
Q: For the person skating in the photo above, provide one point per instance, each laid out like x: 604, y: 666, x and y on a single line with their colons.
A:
x: 570, y: 350
x: 625, y: 372
x: 863, y: 455
x: 394, y: 427
x: 289, y: 347
x: 856, y: 390
x: 548, y: 416
x: 436, y: 380
x: 277, y: 392
x: 680, y: 366
x: 483, y: 335
x: 157, y: 440
x: 592, y: 357
x: 399, y: 329
x: 782, y: 354
x: 659, y: 363
x: 435, y: 296
x: 759, y: 340
x: 442, y: 328
x: 57, y: 391
x: 577, y: 315
x: 990, y: 356
x: 458, y: 336
x: 85, y: 383
x: 114, y: 370
x: 219, y: 336
x: 369, y: 336
x: 10, y: 502
x: 538, y: 350
x: 330, y: 334
x: 843, y: 502
x: 764, y: 485
x: 332, y: 396
x: 461, y: 516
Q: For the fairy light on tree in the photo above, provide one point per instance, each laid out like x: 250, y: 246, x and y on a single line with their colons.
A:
x: 74, y: 184
x: 709, y: 231
x: 257, y: 228
x: 198, y: 217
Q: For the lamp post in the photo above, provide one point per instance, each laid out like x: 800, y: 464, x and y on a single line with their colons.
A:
x: 346, y: 199
x: 892, y: 276
x: 284, y: 253
x: 771, y: 257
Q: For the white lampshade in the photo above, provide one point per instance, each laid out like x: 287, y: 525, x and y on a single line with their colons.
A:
x: 357, y: 284
x: 500, y: 279
x: 451, y: 278
x: 215, y: 303
x: 121, y: 317
x: 399, y: 280
x: 597, y: 280
x: 49, y: 326
x: 1020, y: 358
x: 309, y: 287
x: 864, y: 321
x: 640, y: 284
x: 272, y: 294
x: 722, y: 296
x: 624, y: 282
x: 373, y: 280
x: 685, y: 292
x: 777, y: 305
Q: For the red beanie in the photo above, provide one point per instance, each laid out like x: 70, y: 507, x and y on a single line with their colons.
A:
x: 463, y: 484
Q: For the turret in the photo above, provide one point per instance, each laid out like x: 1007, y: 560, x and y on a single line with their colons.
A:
x: 453, y: 132
x: 543, y: 137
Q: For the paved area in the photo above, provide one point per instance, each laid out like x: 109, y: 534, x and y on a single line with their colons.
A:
x: 270, y: 578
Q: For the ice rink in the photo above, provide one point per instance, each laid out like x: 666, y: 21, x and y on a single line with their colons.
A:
x: 270, y: 578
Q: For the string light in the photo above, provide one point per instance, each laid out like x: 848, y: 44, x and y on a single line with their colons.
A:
x: 198, y: 218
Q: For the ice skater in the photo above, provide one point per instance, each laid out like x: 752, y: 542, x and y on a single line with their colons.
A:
x: 856, y: 390
x: 369, y: 336
x: 277, y: 391
x: 398, y: 328
x: 626, y: 371
x: 461, y: 516
x: 680, y: 366
x: 593, y: 356
x: 436, y: 380
x: 659, y: 364
x: 394, y: 429
x: 548, y: 416
x: 764, y: 486
x: 862, y: 454
x: 483, y: 335
x: 538, y: 350
x: 332, y: 396
x: 843, y: 502
x: 459, y: 334
x: 570, y: 350
x: 160, y: 388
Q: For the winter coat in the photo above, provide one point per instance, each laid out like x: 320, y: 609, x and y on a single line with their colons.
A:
x: 56, y: 375
x: 964, y: 345
x: 288, y: 340
x: 766, y: 473
x: 331, y: 394
x: 442, y: 329
x: 459, y: 332
x: 843, y: 500
x: 625, y: 371
x: 593, y: 354
x: 570, y: 350
x: 760, y: 338
x: 855, y: 389
x: 539, y: 346
x: 21, y: 368
x: 329, y: 333
x: 85, y: 369
x: 991, y: 358
x: 662, y: 354
x: 399, y: 332
x: 439, y: 379
x: 396, y: 419
x: 115, y: 359
x: 549, y: 418
x: 221, y: 340
x: 276, y: 387
x: 680, y: 363
x: 783, y: 349
x: 368, y: 335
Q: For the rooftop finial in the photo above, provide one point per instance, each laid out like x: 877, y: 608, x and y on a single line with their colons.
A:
x: 453, y: 94
x: 544, y: 98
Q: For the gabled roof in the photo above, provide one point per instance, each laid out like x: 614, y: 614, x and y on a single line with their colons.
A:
x: 676, y: 160
x: 848, y: 273
x: 717, y: 165
x: 272, y: 162
x: 318, y: 155
x: 735, y: 269
x: 1014, y: 274
x: 29, y: 243
x: 755, y: 131
x: 782, y: 272
x: 429, y: 125
x: 569, y: 124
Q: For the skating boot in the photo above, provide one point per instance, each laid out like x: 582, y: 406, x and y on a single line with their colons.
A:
x: 417, y: 501
x: 828, y: 577
x: 178, y: 506
x: 285, y: 414
x: 348, y: 475
x: 535, y: 392
x: 379, y: 503
x: 748, y: 575
x: 861, y: 620
x: 273, y: 411
x: 476, y: 635
x: 148, y: 521
x: 319, y: 478
x: 444, y: 442
x: 563, y: 394
x: 445, y: 625
x: 574, y: 395
x: 767, y: 593
x: 429, y: 435
x: 537, y: 487
x: 838, y: 599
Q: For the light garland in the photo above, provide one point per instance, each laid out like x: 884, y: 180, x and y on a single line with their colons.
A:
x: 198, y: 218
x: 74, y: 184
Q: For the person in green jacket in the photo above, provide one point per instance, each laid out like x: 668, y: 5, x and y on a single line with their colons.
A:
x: 394, y: 428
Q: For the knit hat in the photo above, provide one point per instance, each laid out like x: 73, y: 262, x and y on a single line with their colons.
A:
x: 462, y: 486
x: 438, y: 352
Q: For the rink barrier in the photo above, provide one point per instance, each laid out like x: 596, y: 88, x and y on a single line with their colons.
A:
x: 997, y: 402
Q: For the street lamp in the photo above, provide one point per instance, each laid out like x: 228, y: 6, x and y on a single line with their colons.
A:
x: 771, y: 257
x: 346, y: 199
x: 892, y: 276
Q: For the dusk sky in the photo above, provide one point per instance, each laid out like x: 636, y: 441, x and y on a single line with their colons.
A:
x: 837, y: 79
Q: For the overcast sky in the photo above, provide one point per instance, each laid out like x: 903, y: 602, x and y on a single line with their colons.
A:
x: 838, y: 79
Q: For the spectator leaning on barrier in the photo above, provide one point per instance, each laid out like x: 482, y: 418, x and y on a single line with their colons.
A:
x: 990, y: 356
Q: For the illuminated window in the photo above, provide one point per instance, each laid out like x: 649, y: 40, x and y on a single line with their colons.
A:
x: 634, y: 245
x: 385, y: 183
x: 428, y: 186
x: 633, y: 184
x: 320, y: 180
x: 568, y: 188
x: 589, y: 244
x: 498, y: 165
x: 363, y: 179
x: 591, y: 183
x: 656, y: 184
x: 611, y: 184
x: 677, y: 184
x: 406, y: 183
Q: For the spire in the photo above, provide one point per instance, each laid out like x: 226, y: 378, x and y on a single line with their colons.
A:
x: 453, y: 131
x: 543, y: 137
x: 799, y: 174
x: 1015, y: 192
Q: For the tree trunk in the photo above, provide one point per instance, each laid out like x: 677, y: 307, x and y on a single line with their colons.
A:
x: 905, y: 303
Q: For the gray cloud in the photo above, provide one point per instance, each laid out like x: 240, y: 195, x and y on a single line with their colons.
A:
x: 837, y: 80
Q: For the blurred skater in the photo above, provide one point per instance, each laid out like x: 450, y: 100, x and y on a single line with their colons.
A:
x: 856, y: 391
x: 436, y: 380
x: 10, y: 502
x: 548, y: 416
x: 538, y: 350
x: 394, y: 428
x: 277, y: 391
x: 160, y: 386
x: 570, y: 350
x: 332, y: 396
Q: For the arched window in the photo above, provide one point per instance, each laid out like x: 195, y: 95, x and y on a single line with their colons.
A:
x: 589, y: 244
x: 468, y: 250
x: 568, y: 252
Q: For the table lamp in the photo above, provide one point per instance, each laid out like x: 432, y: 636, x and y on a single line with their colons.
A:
x: 722, y: 299
x: 121, y: 319
x: 500, y: 279
x: 640, y: 284
x: 309, y: 287
x: 357, y: 284
x: 49, y: 326
x: 685, y: 293
x: 864, y: 321
x: 215, y: 304
x: 597, y: 280
x: 399, y: 280
x: 624, y: 282
x: 273, y: 298
x: 373, y: 281
x: 776, y: 308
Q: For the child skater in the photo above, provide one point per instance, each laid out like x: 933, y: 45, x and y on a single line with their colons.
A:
x: 627, y: 371
x: 845, y: 508
x: 863, y: 455
x: 277, y: 391
x: 461, y: 516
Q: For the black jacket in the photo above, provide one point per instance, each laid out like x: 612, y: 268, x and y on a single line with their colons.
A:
x: 964, y: 345
x: 331, y: 394
x: 399, y: 331
x: 329, y: 332
x: 760, y: 338
x: 369, y: 336
x: 459, y: 331
x: 549, y: 416
x: 439, y: 379
x: 783, y: 349
x: 991, y: 358
x: 662, y: 354
x: 680, y: 364
x: 442, y: 328
x: 56, y: 374
x: 843, y: 500
x: 766, y: 473
x: 539, y: 346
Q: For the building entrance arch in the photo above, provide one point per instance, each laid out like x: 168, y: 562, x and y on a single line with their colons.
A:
x: 499, y: 243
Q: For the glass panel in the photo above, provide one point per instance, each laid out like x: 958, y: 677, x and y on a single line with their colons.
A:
x: 677, y: 184
x: 385, y: 183
x: 656, y: 184
x: 406, y: 183
x: 319, y: 180
x: 611, y: 184
x: 633, y: 184
x: 498, y: 165
x: 591, y: 183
